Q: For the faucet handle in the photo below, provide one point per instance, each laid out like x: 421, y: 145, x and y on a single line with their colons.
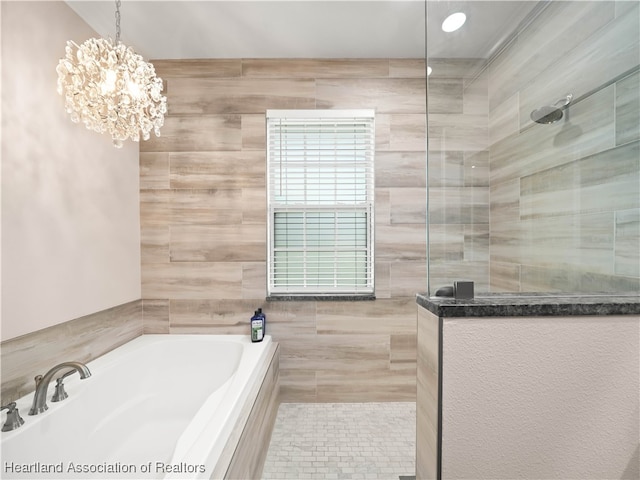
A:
x: 14, y: 420
x: 60, y: 393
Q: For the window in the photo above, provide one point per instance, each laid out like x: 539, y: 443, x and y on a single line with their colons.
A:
x: 320, y: 195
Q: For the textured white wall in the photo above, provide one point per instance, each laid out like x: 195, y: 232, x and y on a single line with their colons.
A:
x: 70, y: 201
x: 542, y: 397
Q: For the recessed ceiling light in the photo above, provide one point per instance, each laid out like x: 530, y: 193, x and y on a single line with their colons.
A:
x: 453, y: 22
x: 429, y: 70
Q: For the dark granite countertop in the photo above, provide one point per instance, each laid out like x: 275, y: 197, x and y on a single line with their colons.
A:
x: 530, y: 305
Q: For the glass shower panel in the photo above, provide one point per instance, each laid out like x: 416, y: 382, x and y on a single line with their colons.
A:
x: 534, y: 147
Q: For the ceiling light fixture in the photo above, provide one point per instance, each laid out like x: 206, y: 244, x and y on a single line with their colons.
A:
x: 429, y: 70
x: 453, y: 22
x: 111, y: 89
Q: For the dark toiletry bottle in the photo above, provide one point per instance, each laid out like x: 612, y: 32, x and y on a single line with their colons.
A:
x: 257, y: 326
x: 264, y: 321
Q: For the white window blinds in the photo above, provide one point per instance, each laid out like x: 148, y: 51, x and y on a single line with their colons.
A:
x: 320, y: 190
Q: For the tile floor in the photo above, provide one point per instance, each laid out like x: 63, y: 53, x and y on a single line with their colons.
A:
x: 342, y: 441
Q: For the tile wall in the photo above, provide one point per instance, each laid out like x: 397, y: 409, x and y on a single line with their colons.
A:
x: 203, y: 219
x: 565, y: 197
x: 82, y: 339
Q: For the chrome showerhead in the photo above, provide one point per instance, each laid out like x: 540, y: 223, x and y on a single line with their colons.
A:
x: 551, y: 113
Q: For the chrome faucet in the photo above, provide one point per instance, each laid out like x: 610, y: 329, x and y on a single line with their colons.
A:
x: 42, y: 384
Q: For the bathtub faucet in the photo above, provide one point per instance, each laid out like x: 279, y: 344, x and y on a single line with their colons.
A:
x: 42, y: 384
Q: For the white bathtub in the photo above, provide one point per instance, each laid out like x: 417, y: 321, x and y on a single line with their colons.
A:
x: 160, y: 406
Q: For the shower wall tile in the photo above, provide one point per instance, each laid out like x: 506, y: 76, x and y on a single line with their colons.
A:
x: 549, y: 279
x: 446, y: 168
x: 591, y: 129
x: 445, y: 95
x: 401, y: 169
x: 623, y: 7
x: 627, y: 243
x: 475, y: 95
x: 408, y: 278
x: 401, y: 242
x: 408, y: 205
x: 607, y: 54
x: 445, y: 273
x: 459, y: 205
x: 576, y: 241
x: 476, y: 169
x: 564, y: 196
x: 628, y: 109
x: 182, y: 133
x: 456, y: 67
x: 606, y: 181
x: 504, y: 120
x: 458, y: 132
x: 82, y: 339
x: 204, y: 170
x: 547, y: 46
x: 203, y: 216
x: 505, y: 277
x: 446, y: 243
x: 476, y: 242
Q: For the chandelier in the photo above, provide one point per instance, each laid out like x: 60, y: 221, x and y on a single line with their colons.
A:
x: 111, y: 89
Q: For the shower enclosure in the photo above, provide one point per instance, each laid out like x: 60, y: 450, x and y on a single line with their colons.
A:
x: 534, y: 148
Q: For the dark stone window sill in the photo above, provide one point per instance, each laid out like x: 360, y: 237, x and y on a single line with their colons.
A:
x: 320, y: 298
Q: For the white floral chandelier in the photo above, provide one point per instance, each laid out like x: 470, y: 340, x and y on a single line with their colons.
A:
x: 111, y: 89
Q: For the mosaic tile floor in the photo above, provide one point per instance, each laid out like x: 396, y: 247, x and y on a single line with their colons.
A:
x: 342, y: 441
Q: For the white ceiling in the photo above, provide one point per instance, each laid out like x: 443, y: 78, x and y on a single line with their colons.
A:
x: 304, y: 28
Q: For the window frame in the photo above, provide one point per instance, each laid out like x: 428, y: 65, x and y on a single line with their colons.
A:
x: 365, y: 118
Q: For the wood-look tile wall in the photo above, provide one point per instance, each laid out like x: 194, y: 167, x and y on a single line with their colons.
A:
x: 203, y: 219
x: 458, y: 174
x: 565, y: 197
x: 82, y: 339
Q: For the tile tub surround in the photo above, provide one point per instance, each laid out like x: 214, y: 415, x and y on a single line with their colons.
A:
x: 342, y: 441
x: 81, y: 339
x: 203, y: 218
x: 563, y: 372
x: 245, y: 453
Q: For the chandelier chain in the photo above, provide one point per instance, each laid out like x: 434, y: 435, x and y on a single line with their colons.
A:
x: 117, y: 21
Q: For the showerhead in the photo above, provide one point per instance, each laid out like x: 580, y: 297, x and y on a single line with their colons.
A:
x: 551, y: 113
